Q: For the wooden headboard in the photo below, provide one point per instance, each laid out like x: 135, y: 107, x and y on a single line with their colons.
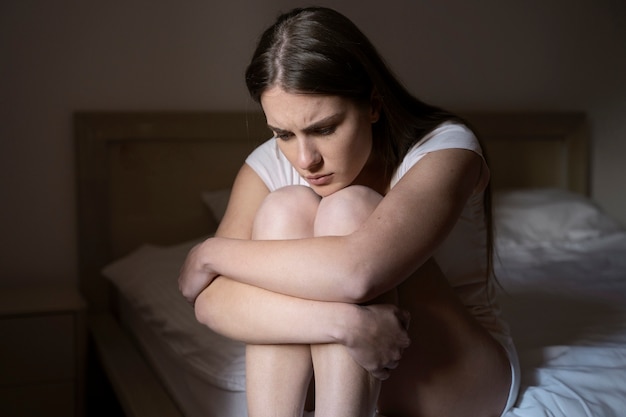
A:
x: 536, y: 149
x: 140, y: 175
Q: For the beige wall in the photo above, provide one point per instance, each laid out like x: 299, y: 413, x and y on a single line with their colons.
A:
x: 60, y: 56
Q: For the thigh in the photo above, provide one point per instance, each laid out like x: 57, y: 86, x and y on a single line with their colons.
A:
x: 453, y: 366
x: 277, y: 379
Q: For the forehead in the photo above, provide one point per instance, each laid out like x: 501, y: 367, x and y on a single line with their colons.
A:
x: 289, y: 110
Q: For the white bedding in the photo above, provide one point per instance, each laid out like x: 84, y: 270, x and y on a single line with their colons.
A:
x: 563, y: 294
x: 194, y: 393
x: 568, y: 319
x: 147, y: 280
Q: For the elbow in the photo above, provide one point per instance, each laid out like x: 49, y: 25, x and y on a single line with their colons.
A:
x: 204, y: 309
x: 201, y: 311
x: 361, y: 285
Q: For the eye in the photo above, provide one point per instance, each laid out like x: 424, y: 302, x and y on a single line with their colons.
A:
x: 283, y: 135
x: 326, y: 131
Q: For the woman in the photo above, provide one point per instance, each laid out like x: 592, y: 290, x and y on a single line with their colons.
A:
x: 364, y: 199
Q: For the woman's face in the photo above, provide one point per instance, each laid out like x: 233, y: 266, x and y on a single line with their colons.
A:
x: 327, y: 139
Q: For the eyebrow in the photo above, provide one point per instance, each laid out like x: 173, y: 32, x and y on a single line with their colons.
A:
x: 313, y: 126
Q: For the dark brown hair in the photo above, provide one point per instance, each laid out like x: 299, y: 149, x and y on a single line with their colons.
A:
x: 317, y: 50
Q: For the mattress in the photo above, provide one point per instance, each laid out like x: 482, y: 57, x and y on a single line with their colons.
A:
x: 566, y: 307
x: 203, y: 371
x: 561, y: 268
x: 195, y: 394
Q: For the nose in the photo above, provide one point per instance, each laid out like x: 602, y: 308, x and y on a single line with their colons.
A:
x: 308, y: 155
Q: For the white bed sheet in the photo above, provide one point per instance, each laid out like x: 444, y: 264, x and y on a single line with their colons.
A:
x: 568, y: 319
x: 147, y: 280
x: 194, y: 394
x: 567, y: 316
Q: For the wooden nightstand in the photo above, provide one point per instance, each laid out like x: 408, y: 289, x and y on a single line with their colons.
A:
x: 42, y: 352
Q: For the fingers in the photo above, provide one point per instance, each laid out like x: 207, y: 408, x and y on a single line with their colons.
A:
x: 405, y: 319
x: 384, y: 373
x: 190, y: 285
x: 192, y: 279
x: 379, y: 346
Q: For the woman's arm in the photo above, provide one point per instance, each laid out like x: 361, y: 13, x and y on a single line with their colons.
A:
x: 247, y: 194
x: 375, y: 335
x: 401, y: 234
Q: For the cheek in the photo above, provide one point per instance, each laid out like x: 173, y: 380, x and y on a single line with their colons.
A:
x: 354, y: 155
x: 362, y: 147
x: 288, y: 150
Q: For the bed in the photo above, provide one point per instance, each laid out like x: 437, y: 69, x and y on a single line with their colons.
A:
x: 150, y: 185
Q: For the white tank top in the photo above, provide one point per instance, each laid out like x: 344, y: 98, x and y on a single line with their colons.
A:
x: 462, y: 257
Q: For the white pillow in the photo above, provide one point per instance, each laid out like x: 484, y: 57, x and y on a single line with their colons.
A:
x: 216, y: 201
x: 548, y: 216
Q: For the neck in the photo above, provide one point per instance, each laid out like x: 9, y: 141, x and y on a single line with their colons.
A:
x: 374, y: 175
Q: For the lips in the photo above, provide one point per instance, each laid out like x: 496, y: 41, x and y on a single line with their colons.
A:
x: 319, y: 179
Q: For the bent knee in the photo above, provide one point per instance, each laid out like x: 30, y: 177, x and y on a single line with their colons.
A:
x: 286, y: 213
x: 344, y: 211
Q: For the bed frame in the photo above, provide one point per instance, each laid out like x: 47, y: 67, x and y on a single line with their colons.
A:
x: 140, y: 176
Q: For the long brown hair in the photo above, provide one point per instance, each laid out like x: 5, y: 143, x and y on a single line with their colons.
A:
x: 317, y: 50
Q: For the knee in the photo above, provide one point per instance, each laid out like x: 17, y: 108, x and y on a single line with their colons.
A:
x: 343, y: 212
x: 287, y: 213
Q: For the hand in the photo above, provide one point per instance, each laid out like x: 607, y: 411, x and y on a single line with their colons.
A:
x: 379, y: 338
x: 195, y: 274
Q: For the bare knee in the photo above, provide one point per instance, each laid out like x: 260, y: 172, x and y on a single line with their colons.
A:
x: 287, y: 213
x: 343, y: 212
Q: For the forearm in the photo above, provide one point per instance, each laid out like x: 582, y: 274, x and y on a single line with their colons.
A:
x: 322, y: 268
x: 257, y: 316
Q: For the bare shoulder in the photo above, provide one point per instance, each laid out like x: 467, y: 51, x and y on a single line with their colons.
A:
x: 248, y: 192
x: 452, y: 174
x: 429, y: 198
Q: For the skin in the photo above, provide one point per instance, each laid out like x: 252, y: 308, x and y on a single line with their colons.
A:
x: 309, y: 288
x: 277, y: 375
x: 444, y: 179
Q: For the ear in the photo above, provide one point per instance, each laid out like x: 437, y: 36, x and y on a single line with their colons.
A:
x: 375, y: 106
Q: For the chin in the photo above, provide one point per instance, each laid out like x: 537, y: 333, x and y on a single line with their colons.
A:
x: 325, y: 191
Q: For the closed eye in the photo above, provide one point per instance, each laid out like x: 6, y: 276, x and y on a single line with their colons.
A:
x: 325, y: 127
x: 325, y: 131
x: 283, y: 135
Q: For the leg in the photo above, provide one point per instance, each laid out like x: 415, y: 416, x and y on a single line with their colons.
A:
x: 343, y: 212
x: 277, y: 376
x: 287, y: 213
x: 342, y: 387
x: 277, y: 379
x: 453, y: 367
